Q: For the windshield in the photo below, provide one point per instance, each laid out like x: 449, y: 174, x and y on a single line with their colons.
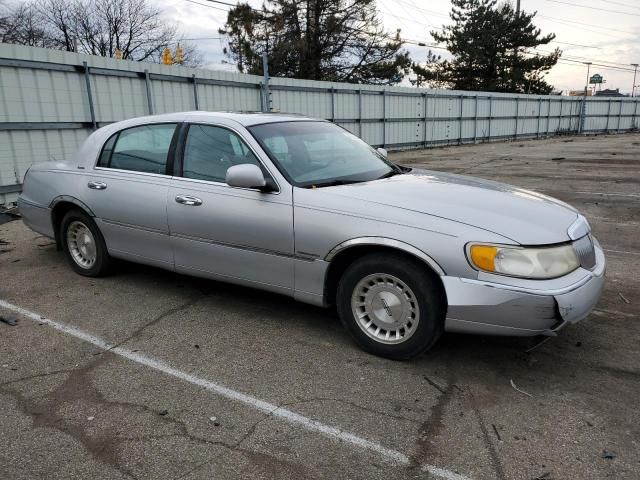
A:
x: 316, y: 154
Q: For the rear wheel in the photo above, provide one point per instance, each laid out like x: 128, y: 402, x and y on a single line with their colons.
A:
x: 84, y: 245
x: 391, y: 305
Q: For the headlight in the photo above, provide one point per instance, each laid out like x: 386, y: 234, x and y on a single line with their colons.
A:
x: 545, y: 262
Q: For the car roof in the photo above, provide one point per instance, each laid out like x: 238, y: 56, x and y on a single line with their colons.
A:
x: 90, y: 148
x: 244, y: 118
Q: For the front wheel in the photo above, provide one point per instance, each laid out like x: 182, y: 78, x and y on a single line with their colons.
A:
x: 84, y: 245
x: 392, y: 306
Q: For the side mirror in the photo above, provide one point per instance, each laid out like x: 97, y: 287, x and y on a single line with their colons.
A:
x: 382, y: 152
x: 245, y: 175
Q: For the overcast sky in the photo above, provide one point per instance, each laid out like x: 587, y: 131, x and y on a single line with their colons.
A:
x: 600, y: 31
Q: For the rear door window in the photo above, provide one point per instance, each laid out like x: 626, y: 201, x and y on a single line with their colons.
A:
x: 139, y: 149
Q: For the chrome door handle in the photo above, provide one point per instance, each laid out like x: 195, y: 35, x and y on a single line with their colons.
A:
x: 188, y: 200
x: 97, y: 185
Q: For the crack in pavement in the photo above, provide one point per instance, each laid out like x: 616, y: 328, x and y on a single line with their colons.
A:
x: 76, y: 387
x: 350, y: 403
x: 493, y: 452
x: 155, y: 320
x: 37, y: 375
x: 103, y: 446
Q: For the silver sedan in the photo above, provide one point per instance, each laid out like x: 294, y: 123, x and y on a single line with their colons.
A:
x: 303, y: 208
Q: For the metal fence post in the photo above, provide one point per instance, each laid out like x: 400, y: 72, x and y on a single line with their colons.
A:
x: 333, y: 103
x: 195, y: 90
x: 360, y: 113
x: 89, y: 95
x: 538, y: 117
x: 515, y: 135
x: 490, y: 116
x: 606, y: 128
x: 619, y: 116
x: 561, y: 115
x: 583, y: 109
x: 475, y: 120
x: 548, y: 118
x: 635, y: 113
x: 460, y: 120
x: 426, y: 113
x: 384, y: 118
x: 147, y: 83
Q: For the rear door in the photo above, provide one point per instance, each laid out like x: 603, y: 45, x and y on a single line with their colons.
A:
x: 127, y: 191
x: 235, y: 234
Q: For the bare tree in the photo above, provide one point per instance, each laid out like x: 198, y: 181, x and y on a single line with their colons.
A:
x: 98, y: 27
x: 22, y: 25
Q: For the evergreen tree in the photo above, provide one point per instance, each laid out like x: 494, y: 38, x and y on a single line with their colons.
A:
x: 334, y: 40
x: 492, y: 50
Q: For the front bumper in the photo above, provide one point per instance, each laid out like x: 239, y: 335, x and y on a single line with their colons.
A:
x: 523, y: 307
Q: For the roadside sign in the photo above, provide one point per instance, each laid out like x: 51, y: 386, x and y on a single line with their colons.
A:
x: 595, y: 78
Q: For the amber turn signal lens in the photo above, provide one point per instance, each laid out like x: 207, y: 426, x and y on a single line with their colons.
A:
x: 483, y: 257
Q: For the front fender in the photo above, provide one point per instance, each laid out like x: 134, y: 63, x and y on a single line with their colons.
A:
x: 385, y: 242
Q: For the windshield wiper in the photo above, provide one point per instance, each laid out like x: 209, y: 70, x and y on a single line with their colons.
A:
x: 332, y: 183
x: 390, y: 173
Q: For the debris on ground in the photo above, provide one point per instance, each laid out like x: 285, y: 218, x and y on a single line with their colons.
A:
x: 608, y: 455
x: 13, y: 321
x: 624, y: 299
x: 544, y: 476
x: 91, y: 418
x: 558, y: 158
x: 518, y: 390
x: 578, y: 344
x: 495, y: 430
x: 162, y: 413
x: 544, y: 340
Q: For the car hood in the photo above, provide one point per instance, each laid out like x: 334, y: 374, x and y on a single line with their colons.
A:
x: 526, y: 217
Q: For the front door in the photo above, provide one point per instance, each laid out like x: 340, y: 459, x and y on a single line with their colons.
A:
x: 234, y: 234
x: 127, y: 191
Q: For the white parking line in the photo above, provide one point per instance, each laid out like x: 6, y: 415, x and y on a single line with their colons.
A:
x: 621, y: 251
x: 290, y: 416
x: 609, y: 194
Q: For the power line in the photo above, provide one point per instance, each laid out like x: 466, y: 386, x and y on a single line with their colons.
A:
x: 594, y: 8
x: 608, y: 29
x: 581, y: 60
x: 207, y: 6
x: 432, y: 12
x: 574, y: 44
x: 620, y: 3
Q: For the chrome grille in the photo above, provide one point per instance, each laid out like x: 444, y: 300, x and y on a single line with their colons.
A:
x: 585, y: 252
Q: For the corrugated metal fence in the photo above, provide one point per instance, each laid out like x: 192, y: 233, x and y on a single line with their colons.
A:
x: 51, y: 100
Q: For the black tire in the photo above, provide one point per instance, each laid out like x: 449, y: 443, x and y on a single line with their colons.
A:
x: 103, y: 261
x: 426, y: 288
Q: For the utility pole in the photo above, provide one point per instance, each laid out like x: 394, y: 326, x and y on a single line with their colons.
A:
x: 517, y: 8
x: 635, y: 70
x: 266, y: 107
